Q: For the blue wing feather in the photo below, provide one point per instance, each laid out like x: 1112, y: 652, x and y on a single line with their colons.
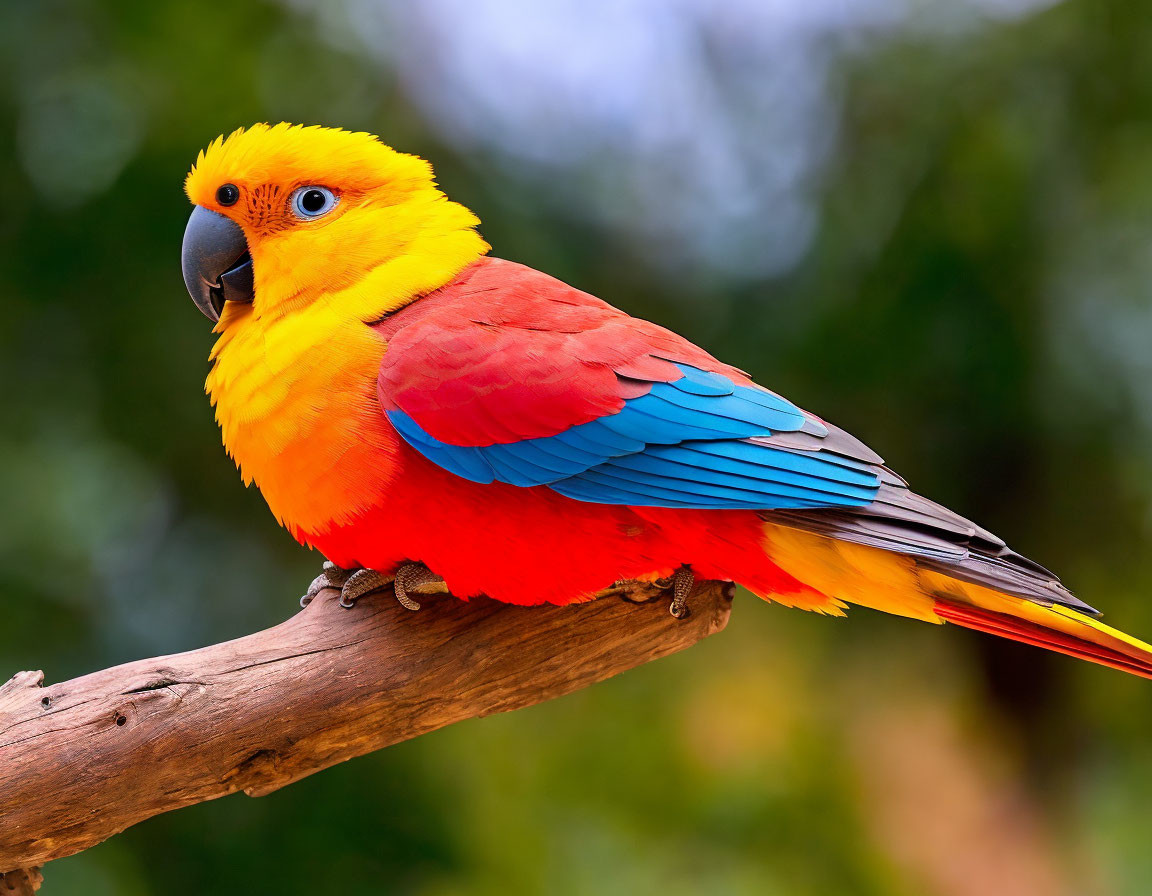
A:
x: 683, y: 444
x: 723, y: 456
x: 464, y: 462
x: 599, y: 440
x: 661, y: 464
x: 701, y: 382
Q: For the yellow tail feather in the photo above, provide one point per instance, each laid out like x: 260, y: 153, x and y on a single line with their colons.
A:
x: 893, y: 583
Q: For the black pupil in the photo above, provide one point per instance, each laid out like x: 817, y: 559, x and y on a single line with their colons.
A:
x: 227, y: 194
x: 313, y: 201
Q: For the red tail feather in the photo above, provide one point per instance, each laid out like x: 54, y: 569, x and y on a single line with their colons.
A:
x: 1031, y: 633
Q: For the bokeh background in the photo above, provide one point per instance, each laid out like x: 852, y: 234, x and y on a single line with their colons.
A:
x: 927, y: 220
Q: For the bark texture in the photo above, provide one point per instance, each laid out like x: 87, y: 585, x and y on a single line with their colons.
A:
x: 84, y: 759
x: 24, y: 882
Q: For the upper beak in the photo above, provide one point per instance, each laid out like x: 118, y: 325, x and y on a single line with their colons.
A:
x: 215, y: 261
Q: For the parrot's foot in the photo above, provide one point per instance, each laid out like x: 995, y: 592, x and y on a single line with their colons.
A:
x: 355, y: 583
x: 331, y: 576
x: 681, y: 584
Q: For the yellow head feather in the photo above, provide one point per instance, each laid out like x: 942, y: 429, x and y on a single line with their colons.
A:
x: 301, y: 354
x: 388, y: 208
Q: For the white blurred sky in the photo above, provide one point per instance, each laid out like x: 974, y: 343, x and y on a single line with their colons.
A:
x: 698, y: 127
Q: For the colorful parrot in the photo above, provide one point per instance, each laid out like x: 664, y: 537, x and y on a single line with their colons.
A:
x: 418, y: 410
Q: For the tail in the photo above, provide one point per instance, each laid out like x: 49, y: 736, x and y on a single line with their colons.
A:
x: 1056, y: 628
x: 924, y: 588
x: 905, y: 554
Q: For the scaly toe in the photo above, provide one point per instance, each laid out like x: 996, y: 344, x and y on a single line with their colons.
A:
x: 682, y: 582
x: 361, y: 582
x: 331, y: 576
x: 411, y: 577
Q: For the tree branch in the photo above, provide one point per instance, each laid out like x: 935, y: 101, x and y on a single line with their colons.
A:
x: 87, y: 758
x: 21, y: 883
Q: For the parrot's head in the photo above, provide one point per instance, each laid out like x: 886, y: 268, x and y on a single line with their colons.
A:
x: 289, y: 216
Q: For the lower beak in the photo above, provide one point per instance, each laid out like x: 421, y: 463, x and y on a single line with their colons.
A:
x: 215, y: 261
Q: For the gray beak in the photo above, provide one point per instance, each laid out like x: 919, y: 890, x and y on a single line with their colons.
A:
x: 215, y: 261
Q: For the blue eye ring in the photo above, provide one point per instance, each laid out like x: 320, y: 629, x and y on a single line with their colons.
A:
x: 311, y: 202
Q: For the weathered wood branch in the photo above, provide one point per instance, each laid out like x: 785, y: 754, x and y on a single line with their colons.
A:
x: 24, y: 882
x: 87, y: 758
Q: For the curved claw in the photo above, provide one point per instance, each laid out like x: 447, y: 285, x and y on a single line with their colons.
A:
x: 318, y: 584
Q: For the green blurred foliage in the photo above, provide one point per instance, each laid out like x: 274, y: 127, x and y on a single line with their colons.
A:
x: 975, y: 303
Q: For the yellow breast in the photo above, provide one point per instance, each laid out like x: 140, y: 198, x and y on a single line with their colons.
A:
x: 299, y: 414
x: 295, y: 389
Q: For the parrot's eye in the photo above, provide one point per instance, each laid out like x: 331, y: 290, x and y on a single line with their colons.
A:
x: 228, y: 194
x: 312, y: 202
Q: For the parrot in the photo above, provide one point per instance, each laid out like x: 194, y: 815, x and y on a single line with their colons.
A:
x: 427, y: 415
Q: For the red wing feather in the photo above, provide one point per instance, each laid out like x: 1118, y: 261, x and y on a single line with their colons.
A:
x: 505, y: 353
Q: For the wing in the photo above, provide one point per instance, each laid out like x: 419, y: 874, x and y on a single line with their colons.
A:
x: 536, y: 384
x: 509, y: 375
